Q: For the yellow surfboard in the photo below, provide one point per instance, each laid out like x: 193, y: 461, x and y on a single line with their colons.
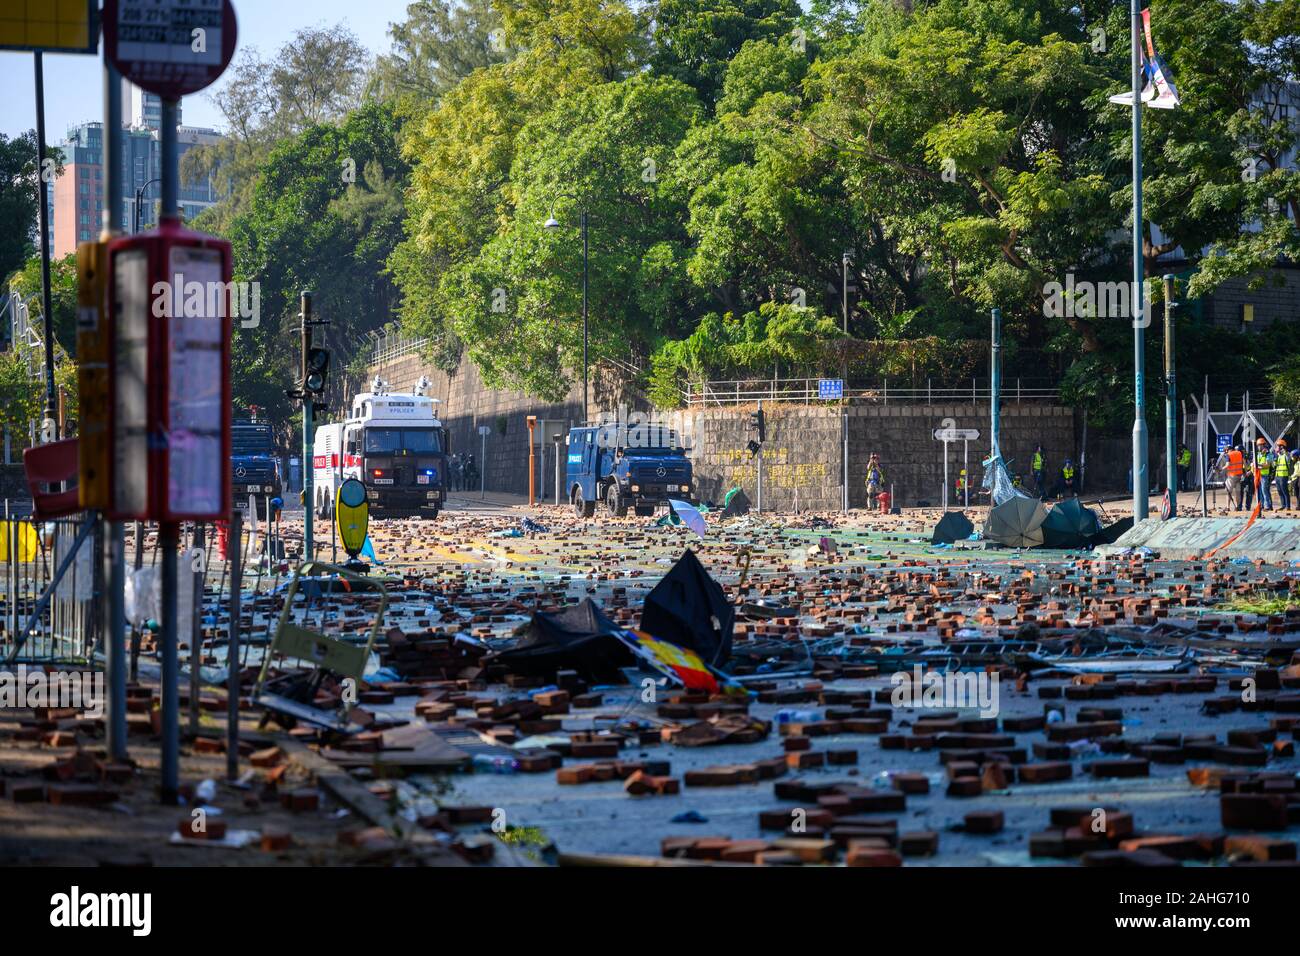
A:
x: 352, y: 515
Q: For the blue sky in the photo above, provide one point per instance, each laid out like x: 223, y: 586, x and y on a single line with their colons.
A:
x: 74, y: 85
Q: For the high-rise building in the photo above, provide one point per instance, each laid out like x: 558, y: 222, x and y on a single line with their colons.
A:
x: 141, y: 109
x: 79, y: 191
x: 78, y: 202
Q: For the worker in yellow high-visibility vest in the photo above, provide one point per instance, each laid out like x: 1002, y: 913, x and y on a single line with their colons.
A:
x: 1065, y: 483
x: 1282, y: 475
x: 1264, y: 470
x: 1038, y: 467
x: 1184, y: 462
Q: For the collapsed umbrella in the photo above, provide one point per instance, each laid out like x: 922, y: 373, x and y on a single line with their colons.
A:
x: 688, y: 608
x: 579, y: 638
x: 1070, y: 525
x: 1016, y: 523
x: 953, y: 526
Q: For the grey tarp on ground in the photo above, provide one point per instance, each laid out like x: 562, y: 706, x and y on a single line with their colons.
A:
x: 1016, y: 523
x: 1069, y: 525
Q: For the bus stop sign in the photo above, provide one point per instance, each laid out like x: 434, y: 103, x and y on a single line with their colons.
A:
x: 169, y: 47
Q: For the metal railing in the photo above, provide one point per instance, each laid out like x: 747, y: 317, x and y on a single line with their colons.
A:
x: 66, y: 624
x: 807, y: 390
x: 391, y: 344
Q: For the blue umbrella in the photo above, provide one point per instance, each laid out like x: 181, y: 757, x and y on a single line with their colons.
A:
x: 690, y: 516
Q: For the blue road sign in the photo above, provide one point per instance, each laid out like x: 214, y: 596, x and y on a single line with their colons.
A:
x: 1223, y: 442
x: 830, y: 388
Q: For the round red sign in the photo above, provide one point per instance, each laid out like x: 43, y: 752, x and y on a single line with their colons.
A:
x: 169, y: 47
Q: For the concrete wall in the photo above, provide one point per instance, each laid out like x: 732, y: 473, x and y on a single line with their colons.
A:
x: 803, y: 453
x: 1277, y: 301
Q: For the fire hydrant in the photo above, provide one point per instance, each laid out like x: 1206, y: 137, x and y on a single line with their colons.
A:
x: 223, y: 536
x: 884, y: 500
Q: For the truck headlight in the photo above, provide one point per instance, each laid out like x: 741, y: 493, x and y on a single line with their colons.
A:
x: 636, y: 487
x: 686, y: 487
x: 431, y: 494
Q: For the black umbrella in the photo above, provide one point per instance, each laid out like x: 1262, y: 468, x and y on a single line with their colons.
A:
x: 735, y: 504
x: 1016, y: 523
x: 1069, y: 525
x: 690, y: 609
x: 953, y: 526
x: 578, y: 638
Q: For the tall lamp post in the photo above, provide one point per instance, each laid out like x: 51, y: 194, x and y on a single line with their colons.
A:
x: 139, y: 198
x: 1139, y: 309
x: 552, y: 223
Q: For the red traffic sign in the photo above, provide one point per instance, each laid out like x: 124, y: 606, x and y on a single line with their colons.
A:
x: 170, y: 47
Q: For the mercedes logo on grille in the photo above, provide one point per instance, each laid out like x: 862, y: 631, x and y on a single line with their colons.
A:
x: 240, y: 472
x: 660, y: 471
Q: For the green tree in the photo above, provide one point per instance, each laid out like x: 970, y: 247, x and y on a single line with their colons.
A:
x: 604, y: 150
x: 438, y: 44
x: 19, y: 198
x: 316, y: 77
x: 326, y: 214
x: 63, y: 296
x: 695, y: 40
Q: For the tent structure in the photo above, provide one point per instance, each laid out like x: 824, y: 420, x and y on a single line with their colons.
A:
x: 953, y: 526
x: 579, y: 638
x: 735, y: 504
x: 1070, y: 525
x: 690, y: 609
x: 1016, y: 523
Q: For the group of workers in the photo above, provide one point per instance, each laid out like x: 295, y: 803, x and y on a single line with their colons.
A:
x: 1268, y: 468
x: 1276, y: 467
x: 1065, y: 485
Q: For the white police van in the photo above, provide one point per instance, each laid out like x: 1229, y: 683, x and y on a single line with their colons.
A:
x: 394, y: 444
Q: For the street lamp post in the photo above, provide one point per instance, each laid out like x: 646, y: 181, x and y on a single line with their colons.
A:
x: 1139, y: 309
x: 553, y: 223
x: 139, y: 198
x: 844, y: 289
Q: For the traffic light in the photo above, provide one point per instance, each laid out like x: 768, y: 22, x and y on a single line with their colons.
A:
x: 758, y: 423
x: 316, y: 371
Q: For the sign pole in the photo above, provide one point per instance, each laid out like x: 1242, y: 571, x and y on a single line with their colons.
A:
x: 844, y: 458
x: 482, y: 468
x: 235, y: 554
x: 49, y: 427
x: 1171, y: 413
x: 945, y: 474
x: 169, y: 531
x: 114, y: 540
x: 1138, y: 296
x: 308, y: 455
x: 965, y: 467
x: 760, y: 465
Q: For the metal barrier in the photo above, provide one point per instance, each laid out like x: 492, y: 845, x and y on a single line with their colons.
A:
x: 63, y: 625
x: 807, y: 391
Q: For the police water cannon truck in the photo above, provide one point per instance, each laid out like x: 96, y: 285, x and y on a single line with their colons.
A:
x: 394, y: 444
x: 639, y: 467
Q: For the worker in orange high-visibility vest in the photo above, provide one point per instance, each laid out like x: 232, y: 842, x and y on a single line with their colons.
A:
x: 1234, y: 474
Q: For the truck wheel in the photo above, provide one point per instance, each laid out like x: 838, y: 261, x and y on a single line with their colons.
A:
x: 581, y: 507
x: 614, y: 503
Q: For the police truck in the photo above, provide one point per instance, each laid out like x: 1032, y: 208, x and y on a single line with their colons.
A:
x: 394, y: 444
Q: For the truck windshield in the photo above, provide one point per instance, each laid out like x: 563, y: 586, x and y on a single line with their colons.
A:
x: 651, y: 451
x: 250, y: 439
x: 419, y: 441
